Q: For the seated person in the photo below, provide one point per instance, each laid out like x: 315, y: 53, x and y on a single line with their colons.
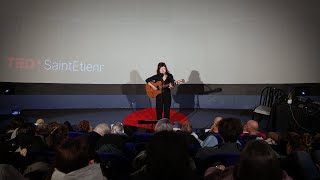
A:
x: 84, y: 126
x: 229, y: 129
x: 298, y: 163
x: 252, y: 128
x: 113, y: 141
x: 168, y: 158
x: 73, y: 162
x: 257, y: 161
x: 214, y: 128
x: 211, y: 140
x: 94, y: 136
x: 192, y: 137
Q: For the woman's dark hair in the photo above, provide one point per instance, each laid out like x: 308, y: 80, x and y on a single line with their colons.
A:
x: 72, y: 154
x: 162, y: 64
x: 16, y: 122
x: 84, y: 126
x: 298, y: 142
x: 57, y: 133
x: 69, y: 126
x: 258, y: 162
x: 230, y: 129
x: 27, y: 129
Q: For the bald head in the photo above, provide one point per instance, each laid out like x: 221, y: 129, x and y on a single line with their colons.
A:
x: 252, y: 126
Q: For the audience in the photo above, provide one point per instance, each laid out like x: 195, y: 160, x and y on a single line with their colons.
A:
x: 214, y: 127
x: 229, y: 129
x: 167, y: 154
x: 57, y: 133
x: 73, y: 162
x: 84, y: 126
x: 252, y: 128
x: 94, y: 136
x: 8, y: 172
x: 192, y: 137
x: 69, y: 126
x: 16, y: 123
x: 112, y: 141
x: 257, y: 162
x: 117, y: 128
x: 39, y: 122
x: 298, y: 163
x: 168, y: 158
x: 163, y: 124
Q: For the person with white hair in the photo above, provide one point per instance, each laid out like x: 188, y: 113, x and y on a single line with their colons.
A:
x: 102, y: 129
x: 117, y: 128
x: 163, y: 125
x: 114, y: 141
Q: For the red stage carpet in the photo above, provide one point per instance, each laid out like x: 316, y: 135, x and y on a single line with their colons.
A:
x: 150, y: 114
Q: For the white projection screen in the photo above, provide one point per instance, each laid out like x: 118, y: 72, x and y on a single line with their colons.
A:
x: 121, y: 41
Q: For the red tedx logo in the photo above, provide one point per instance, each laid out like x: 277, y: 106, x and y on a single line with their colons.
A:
x: 22, y: 63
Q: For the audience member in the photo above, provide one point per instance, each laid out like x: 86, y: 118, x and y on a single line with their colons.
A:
x: 84, y: 126
x: 257, y: 162
x: 214, y: 127
x: 73, y: 162
x: 117, y: 128
x: 57, y: 133
x: 163, y: 125
x: 252, y: 128
x: 168, y: 158
x: 229, y: 129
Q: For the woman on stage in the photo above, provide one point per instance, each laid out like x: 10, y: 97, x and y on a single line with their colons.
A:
x: 163, y: 100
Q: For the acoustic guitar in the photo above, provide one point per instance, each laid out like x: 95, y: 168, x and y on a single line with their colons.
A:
x: 160, y: 86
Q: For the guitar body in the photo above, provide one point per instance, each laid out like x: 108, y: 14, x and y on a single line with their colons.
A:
x: 151, y: 92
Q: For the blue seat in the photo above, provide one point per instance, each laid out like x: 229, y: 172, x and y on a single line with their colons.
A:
x: 75, y: 134
x: 142, y: 137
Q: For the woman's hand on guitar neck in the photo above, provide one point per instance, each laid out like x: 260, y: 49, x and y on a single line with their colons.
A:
x: 170, y: 86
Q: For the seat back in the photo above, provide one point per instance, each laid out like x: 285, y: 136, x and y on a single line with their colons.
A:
x: 269, y: 95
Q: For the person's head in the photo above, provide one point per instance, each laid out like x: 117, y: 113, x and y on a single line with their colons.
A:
x: 274, y: 136
x: 252, y: 127
x: 69, y: 126
x: 117, y: 128
x: 16, y: 122
x: 72, y: 154
x: 39, y: 122
x: 102, y: 129
x: 187, y: 127
x: 230, y: 129
x: 56, y: 133
x: 168, y: 155
x: 27, y: 129
x: 297, y: 142
x: 163, y: 125
x: 214, y: 127
x: 258, y: 162
x: 84, y: 126
x: 162, y: 68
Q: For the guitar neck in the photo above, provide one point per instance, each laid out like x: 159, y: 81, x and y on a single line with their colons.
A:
x: 166, y: 85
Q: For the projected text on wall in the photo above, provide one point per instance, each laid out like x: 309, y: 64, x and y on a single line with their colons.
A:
x: 54, y: 65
